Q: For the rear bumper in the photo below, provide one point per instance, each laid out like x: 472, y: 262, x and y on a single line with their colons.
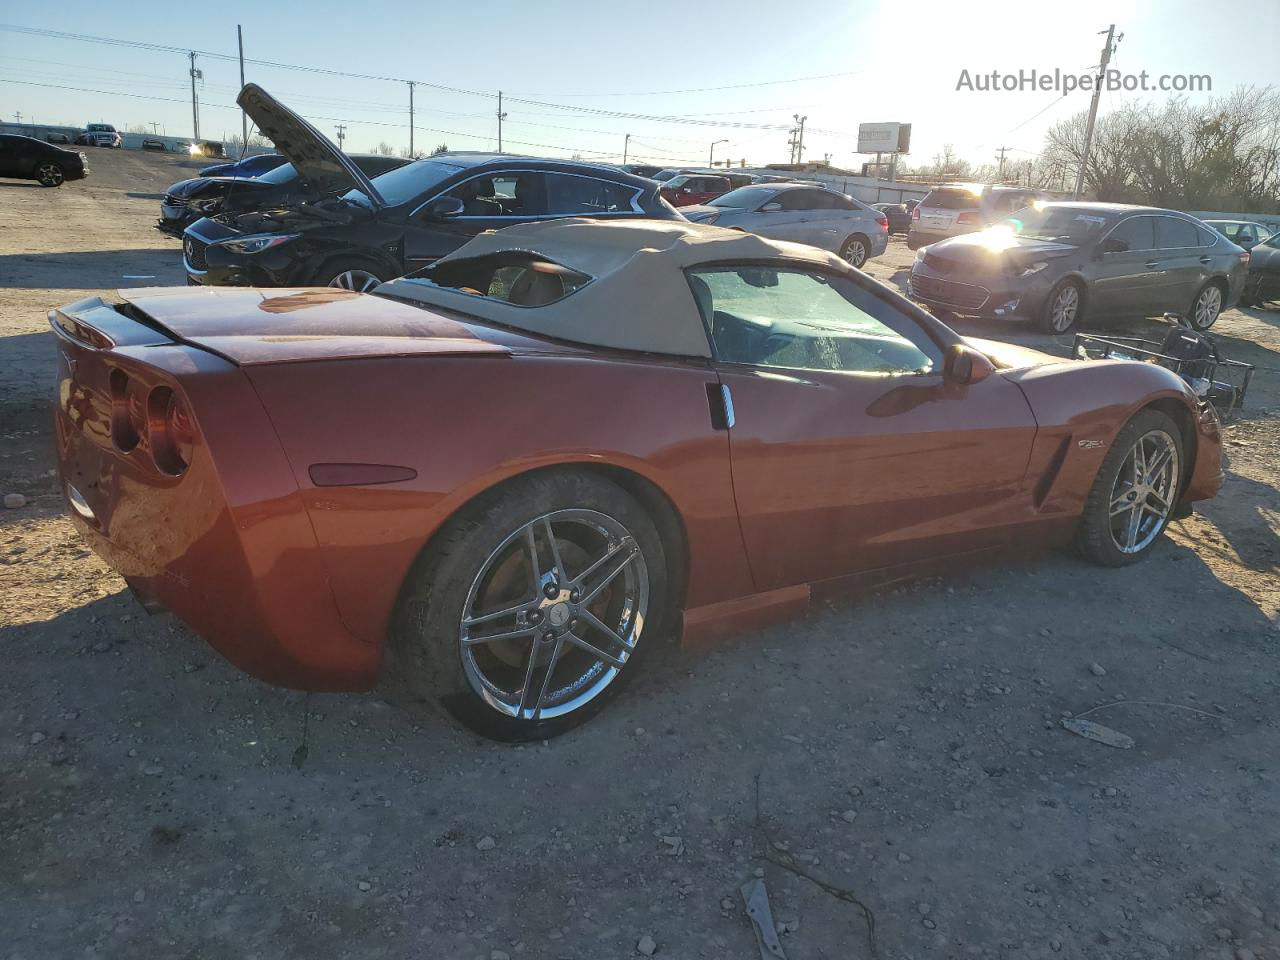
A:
x: 227, y: 546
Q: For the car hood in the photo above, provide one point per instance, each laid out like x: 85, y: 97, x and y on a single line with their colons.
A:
x: 1010, y: 356
x: 207, y: 185
x: 251, y: 327
x: 326, y: 168
x: 988, y: 248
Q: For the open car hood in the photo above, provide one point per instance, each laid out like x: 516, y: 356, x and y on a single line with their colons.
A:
x: 326, y: 168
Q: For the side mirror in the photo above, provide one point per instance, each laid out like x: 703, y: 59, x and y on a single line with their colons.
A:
x: 965, y: 365
x: 442, y: 208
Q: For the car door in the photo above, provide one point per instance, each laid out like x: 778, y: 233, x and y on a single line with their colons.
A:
x: 489, y: 201
x: 850, y: 451
x: 832, y: 219
x: 9, y: 156
x: 1184, y: 263
x: 1127, y: 273
x: 785, y: 216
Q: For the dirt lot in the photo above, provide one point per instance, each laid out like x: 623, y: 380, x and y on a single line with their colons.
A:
x: 907, y: 743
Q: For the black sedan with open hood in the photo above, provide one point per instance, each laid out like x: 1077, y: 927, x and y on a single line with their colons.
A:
x: 1056, y: 262
x: 188, y: 200
x: 357, y: 231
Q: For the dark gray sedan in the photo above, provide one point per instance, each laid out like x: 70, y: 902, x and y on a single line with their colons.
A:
x: 1058, y: 262
x: 802, y: 213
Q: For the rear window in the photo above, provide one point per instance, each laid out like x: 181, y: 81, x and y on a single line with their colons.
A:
x: 951, y: 198
x: 1173, y: 233
x: 514, y: 277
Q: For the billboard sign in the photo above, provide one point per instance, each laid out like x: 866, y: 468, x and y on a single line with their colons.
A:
x: 884, y: 138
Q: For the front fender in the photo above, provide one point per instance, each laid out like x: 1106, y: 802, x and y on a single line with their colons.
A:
x: 1079, y: 408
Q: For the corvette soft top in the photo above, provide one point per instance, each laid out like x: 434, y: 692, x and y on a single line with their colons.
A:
x: 637, y: 298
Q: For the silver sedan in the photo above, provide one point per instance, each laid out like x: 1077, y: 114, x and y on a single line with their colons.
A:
x: 802, y: 213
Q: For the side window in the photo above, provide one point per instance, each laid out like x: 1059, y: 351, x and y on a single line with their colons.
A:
x: 572, y: 196
x: 807, y: 320
x: 502, y: 195
x: 797, y: 199
x: 1173, y: 233
x: 1136, y: 233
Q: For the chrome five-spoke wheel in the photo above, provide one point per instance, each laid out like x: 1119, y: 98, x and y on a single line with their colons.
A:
x: 554, y: 614
x: 1144, y: 490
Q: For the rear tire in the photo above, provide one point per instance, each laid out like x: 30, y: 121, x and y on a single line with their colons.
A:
x: 1109, y: 534
x: 562, y: 653
x: 1206, y: 307
x: 1063, y: 309
x: 855, y: 251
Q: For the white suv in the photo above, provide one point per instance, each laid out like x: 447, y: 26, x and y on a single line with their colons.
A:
x: 963, y: 208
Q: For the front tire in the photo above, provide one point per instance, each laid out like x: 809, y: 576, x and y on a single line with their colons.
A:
x: 1063, y: 309
x: 855, y: 251
x: 50, y: 174
x: 359, y: 276
x: 1206, y: 307
x: 1135, y: 492
x: 530, y: 609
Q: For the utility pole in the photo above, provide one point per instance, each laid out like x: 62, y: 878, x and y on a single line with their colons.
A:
x: 626, y: 143
x: 1093, y: 110
x: 1000, y: 172
x: 195, y: 104
x: 792, y: 144
x: 153, y: 127
x: 411, y: 83
x: 712, y: 155
x: 501, y: 116
x: 342, y: 133
x: 244, y: 117
x: 799, y: 147
x: 17, y: 116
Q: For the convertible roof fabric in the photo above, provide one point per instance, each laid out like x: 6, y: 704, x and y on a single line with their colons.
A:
x: 638, y: 298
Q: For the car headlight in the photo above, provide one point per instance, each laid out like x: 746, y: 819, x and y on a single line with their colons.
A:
x: 207, y: 206
x: 257, y: 244
x: 1031, y: 269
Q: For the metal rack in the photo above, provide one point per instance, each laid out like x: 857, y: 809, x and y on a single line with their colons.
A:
x: 1219, y: 381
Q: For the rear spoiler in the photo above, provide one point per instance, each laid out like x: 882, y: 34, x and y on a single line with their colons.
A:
x: 98, y: 325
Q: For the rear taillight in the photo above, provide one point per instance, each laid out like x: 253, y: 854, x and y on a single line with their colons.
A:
x: 125, y: 419
x: 883, y: 221
x: 170, y: 431
x: 915, y: 213
x: 967, y: 217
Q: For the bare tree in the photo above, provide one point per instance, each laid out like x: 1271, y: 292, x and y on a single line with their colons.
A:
x: 384, y: 149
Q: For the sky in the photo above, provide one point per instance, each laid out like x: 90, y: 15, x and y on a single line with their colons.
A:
x: 728, y: 68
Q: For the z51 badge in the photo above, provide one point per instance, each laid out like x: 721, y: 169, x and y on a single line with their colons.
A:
x: 1092, y: 444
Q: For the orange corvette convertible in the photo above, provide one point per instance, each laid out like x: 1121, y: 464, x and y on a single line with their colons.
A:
x: 504, y: 477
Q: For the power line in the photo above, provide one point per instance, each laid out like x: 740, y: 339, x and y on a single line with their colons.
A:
x: 728, y: 86
x: 593, y: 111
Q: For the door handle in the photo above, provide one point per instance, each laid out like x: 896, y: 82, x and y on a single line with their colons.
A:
x: 1152, y: 264
x: 1206, y: 260
x: 720, y: 400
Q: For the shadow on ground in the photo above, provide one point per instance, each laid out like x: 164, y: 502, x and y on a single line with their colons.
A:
x: 93, y: 269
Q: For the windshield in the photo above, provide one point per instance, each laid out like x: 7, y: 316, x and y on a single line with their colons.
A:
x: 1064, y: 224
x: 405, y: 183
x: 102, y: 128
x: 744, y: 198
x: 281, y: 174
x: 664, y: 175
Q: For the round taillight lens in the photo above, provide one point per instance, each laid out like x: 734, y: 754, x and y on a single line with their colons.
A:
x: 170, y: 431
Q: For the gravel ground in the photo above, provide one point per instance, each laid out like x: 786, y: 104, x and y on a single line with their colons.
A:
x: 907, y: 743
